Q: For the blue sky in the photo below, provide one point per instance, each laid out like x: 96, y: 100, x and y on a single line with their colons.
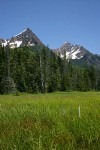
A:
x: 54, y: 21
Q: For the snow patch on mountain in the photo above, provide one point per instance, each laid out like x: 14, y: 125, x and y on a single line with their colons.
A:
x: 74, y: 54
x: 61, y: 56
x: 30, y: 44
x: 15, y: 44
x: 67, y: 54
x: 4, y: 43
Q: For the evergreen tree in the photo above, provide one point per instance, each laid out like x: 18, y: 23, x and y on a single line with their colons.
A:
x: 54, y: 73
x: 7, y: 82
x: 64, y: 73
x: 38, y: 69
x: 93, y: 75
x: 2, y: 58
x: 87, y: 80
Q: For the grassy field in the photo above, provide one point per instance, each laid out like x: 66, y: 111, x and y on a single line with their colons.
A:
x: 54, y: 121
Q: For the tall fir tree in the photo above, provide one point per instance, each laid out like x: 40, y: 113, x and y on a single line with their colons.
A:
x: 8, y: 85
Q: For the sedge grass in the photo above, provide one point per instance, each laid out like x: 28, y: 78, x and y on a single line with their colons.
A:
x: 50, y: 121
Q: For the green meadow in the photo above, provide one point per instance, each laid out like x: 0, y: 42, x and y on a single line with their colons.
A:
x: 52, y: 121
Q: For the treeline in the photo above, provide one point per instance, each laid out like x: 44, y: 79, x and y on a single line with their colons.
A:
x: 38, y: 69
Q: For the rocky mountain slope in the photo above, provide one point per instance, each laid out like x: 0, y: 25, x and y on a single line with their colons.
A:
x: 71, y: 51
x: 25, y: 38
x: 78, y: 55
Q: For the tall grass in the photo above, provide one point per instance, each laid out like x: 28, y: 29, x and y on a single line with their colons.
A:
x: 50, y: 121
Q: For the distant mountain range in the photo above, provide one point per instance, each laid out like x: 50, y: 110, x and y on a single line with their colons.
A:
x: 75, y: 53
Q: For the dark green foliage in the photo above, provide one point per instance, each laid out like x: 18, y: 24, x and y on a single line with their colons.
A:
x: 7, y: 83
x: 88, y: 59
x: 2, y: 58
x: 53, y: 73
x: 64, y: 73
x: 38, y: 69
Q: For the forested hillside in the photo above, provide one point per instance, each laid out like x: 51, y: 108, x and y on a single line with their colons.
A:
x: 38, y: 69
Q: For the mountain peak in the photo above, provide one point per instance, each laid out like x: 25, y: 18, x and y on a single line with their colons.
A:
x: 71, y: 51
x: 26, y: 30
x: 24, y: 38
